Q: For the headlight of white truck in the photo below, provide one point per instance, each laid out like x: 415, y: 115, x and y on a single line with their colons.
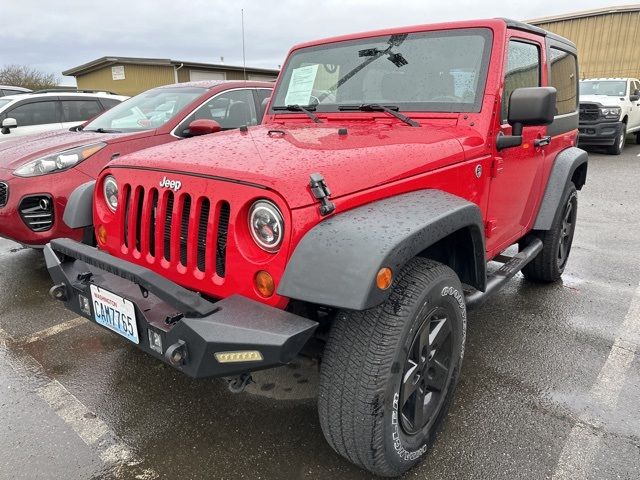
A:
x: 611, y: 112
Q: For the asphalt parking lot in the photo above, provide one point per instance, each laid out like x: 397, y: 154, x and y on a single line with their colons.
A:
x: 549, y: 388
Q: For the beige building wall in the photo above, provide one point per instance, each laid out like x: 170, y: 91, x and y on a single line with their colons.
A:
x: 183, y: 74
x: 608, y: 44
x: 138, y: 78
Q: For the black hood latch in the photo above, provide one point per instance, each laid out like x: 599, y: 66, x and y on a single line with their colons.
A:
x: 321, y: 193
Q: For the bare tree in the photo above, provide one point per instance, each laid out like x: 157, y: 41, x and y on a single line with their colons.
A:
x: 27, y: 77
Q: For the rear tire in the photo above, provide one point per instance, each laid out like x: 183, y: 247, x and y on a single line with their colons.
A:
x: 389, y: 373
x: 549, y: 264
x: 618, y: 146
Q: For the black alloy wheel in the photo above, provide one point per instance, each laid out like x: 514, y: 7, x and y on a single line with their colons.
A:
x: 428, y: 370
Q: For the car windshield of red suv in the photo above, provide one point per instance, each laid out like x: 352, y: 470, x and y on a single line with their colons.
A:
x: 440, y: 71
x: 147, y: 111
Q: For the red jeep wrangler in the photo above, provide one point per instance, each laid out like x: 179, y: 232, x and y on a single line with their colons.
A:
x: 357, y: 222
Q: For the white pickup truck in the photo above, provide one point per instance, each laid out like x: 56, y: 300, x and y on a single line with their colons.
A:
x: 609, y: 110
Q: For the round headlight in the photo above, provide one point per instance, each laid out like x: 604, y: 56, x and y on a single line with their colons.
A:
x: 110, y: 189
x: 266, y: 225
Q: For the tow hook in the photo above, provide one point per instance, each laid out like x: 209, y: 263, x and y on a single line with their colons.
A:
x: 177, y: 353
x: 239, y: 383
x: 59, y: 292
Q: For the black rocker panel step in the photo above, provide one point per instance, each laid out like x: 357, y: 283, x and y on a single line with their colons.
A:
x: 475, y: 298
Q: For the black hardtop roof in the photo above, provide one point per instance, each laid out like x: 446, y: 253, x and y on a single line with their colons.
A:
x: 527, y: 27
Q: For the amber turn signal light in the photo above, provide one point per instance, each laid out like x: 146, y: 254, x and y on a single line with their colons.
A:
x: 102, y: 235
x: 264, y: 284
x: 384, y: 278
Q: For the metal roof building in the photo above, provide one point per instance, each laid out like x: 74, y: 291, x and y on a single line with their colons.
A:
x: 607, y: 39
x: 130, y: 76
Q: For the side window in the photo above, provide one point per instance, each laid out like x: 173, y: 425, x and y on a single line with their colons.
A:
x: 108, y: 103
x: 6, y: 91
x: 634, y: 87
x: 263, y: 95
x: 522, y: 70
x: 38, y: 113
x: 564, y: 77
x: 230, y: 109
x: 79, y: 110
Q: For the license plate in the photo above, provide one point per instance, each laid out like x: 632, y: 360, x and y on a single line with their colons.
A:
x: 115, y: 313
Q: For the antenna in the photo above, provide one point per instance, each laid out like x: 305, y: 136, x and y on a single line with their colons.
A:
x: 244, y: 59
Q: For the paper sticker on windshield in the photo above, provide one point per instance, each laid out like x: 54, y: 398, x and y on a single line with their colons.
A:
x: 301, y: 85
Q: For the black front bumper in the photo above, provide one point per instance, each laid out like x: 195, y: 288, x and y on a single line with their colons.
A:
x: 603, y: 133
x: 198, y: 328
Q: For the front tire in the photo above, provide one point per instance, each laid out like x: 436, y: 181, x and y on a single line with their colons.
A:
x: 389, y: 373
x: 618, y: 146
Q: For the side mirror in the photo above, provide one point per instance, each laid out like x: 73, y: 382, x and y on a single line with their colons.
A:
x: 8, y: 124
x: 528, y: 107
x: 635, y: 97
x: 203, y: 127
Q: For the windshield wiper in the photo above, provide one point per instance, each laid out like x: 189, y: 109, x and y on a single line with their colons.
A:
x: 374, y: 107
x: 103, y: 130
x: 307, y: 109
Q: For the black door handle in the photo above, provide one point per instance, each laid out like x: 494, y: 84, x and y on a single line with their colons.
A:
x: 541, y: 142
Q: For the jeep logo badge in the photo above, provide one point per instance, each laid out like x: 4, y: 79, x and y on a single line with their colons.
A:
x: 174, y: 185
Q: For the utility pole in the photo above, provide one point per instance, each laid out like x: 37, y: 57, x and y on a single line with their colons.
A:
x: 244, y: 59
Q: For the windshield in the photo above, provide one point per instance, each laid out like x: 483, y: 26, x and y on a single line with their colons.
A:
x: 443, y: 71
x: 147, y: 111
x: 610, y: 88
x: 4, y: 102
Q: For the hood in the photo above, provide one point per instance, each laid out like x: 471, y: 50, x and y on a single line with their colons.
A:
x: 282, y: 158
x: 602, y: 100
x: 15, y: 153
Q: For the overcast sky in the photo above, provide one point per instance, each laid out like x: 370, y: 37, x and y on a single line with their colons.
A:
x: 54, y: 35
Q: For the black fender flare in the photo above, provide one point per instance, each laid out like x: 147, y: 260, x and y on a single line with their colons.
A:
x: 79, y: 210
x: 337, y: 261
x: 565, y: 166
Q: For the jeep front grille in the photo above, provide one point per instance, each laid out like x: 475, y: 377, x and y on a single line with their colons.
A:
x: 589, y: 112
x: 4, y: 194
x: 177, y: 228
x: 37, y: 212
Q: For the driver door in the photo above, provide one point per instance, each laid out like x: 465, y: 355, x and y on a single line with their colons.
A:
x: 35, y: 116
x: 634, y: 111
x: 516, y: 171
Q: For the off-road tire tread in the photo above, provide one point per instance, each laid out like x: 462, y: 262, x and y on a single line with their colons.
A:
x: 357, y: 365
x: 543, y: 268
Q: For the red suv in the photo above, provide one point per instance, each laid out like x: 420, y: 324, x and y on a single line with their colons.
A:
x: 355, y: 224
x: 39, y: 172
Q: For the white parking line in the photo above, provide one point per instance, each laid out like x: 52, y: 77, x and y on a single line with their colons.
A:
x: 49, y: 332
x: 583, y: 442
x: 92, y: 430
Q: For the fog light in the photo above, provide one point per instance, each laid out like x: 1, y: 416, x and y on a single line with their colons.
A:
x: 384, y: 278
x: 264, y: 283
x: 85, y: 304
x: 155, y: 341
x: 102, y: 234
x: 239, y: 356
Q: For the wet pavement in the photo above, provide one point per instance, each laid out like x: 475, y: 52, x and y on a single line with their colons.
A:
x: 550, y: 385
